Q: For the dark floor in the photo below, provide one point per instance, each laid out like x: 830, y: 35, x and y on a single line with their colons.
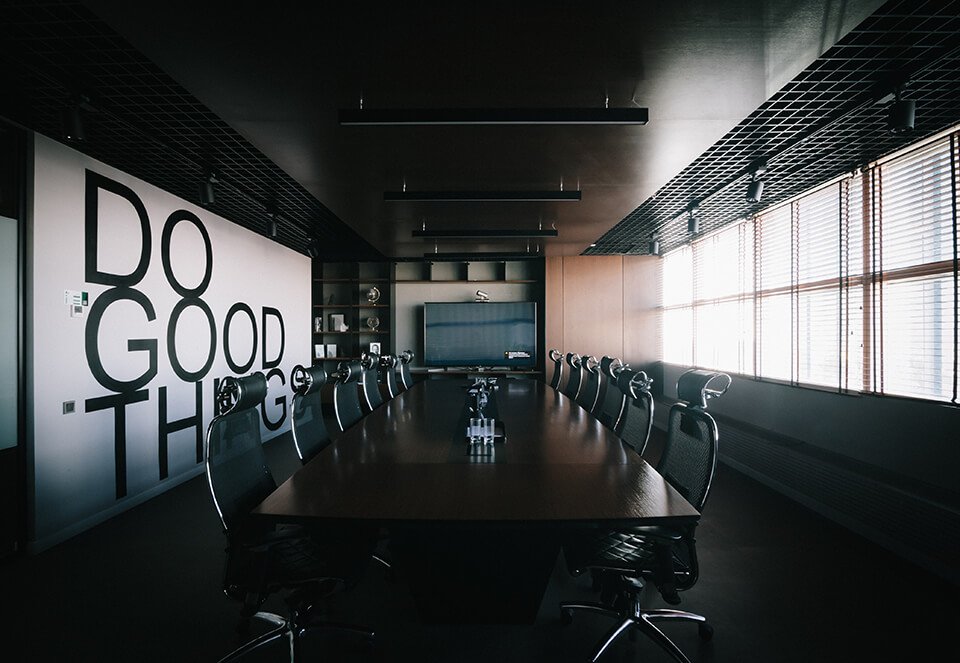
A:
x: 778, y: 583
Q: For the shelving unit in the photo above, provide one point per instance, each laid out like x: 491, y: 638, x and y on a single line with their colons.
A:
x: 404, y: 286
x: 341, y: 289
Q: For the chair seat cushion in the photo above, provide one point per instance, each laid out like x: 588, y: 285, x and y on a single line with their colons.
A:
x: 618, y: 550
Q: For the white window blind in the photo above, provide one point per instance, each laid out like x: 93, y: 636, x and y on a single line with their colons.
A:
x: 852, y: 286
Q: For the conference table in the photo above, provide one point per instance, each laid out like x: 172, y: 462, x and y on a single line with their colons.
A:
x: 476, y: 538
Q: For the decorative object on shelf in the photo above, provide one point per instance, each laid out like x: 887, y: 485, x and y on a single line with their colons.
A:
x: 337, y: 323
x: 330, y: 299
x: 318, y: 324
x: 331, y: 350
x: 373, y: 322
x: 373, y: 295
x: 375, y: 348
x: 318, y: 351
x: 482, y: 296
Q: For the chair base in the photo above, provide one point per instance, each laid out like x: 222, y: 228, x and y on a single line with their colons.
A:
x: 293, y: 629
x: 634, y: 617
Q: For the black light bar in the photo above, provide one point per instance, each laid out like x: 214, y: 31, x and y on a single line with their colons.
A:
x: 471, y: 116
x: 490, y: 255
x: 484, y: 233
x: 481, y: 196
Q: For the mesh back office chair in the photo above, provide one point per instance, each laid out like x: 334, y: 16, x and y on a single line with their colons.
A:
x: 590, y: 383
x: 262, y: 561
x: 388, y: 365
x: 310, y: 435
x: 369, y: 380
x: 405, y: 358
x: 611, y: 399
x: 666, y: 556
x: 557, y: 358
x: 346, y: 397
x: 572, y: 388
x: 636, y: 421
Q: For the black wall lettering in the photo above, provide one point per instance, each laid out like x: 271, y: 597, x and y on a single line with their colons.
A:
x: 95, y: 182
x: 171, y: 223
x: 272, y: 312
x: 92, y: 333
x: 118, y: 402
x: 239, y: 369
x: 182, y: 373
x: 281, y: 401
x: 168, y: 427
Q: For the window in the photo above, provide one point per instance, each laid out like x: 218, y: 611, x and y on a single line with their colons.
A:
x: 851, y: 286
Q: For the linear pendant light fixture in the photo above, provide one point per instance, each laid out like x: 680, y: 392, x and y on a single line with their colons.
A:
x: 501, y: 116
x: 481, y: 196
x: 484, y: 233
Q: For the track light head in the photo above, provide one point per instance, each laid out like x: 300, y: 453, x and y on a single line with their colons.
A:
x: 272, y: 228
x: 754, y: 191
x: 653, y: 248
x: 207, y: 187
x: 313, y: 248
x: 72, y: 119
x: 901, y: 114
x: 693, y: 218
x: 272, y: 214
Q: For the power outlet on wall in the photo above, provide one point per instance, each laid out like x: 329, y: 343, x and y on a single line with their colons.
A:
x: 69, y: 407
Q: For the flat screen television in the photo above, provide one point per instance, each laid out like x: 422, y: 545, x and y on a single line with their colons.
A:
x: 480, y: 334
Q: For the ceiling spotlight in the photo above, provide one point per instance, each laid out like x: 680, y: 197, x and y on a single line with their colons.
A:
x: 313, y: 248
x: 207, y: 192
x: 72, y: 119
x: 693, y: 218
x: 755, y: 188
x: 271, y: 220
x: 653, y: 248
x: 901, y: 114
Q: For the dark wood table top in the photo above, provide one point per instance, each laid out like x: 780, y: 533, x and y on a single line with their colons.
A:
x: 406, y: 462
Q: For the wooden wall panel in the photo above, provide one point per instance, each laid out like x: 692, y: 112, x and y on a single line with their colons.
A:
x: 642, y: 296
x: 553, y: 303
x: 593, y: 305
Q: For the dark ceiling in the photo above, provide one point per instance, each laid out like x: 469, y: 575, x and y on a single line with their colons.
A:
x: 256, y: 89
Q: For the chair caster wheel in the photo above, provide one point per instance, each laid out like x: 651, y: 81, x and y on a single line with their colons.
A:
x: 566, y: 617
x: 705, y: 631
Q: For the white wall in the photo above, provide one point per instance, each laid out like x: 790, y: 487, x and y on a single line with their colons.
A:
x: 106, y: 456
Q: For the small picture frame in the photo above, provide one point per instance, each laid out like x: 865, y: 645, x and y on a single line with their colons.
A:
x: 318, y: 351
x: 375, y: 348
x: 331, y: 350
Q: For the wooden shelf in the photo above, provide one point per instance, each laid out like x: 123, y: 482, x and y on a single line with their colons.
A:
x: 350, y: 331
x: 351, y: 306
x: 354, y: 280
x: 464, y: 281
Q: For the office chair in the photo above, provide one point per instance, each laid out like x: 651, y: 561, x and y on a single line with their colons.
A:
x: 666, y: 556
x: 262, y: 561
x: 346, y: 397
x: 405, y: 358
x: 590, y: 383
x: 611, y: 399
x: 636, y: 420
x: 557, y: 358
x: 388, y: 363
x: 572, y: 388
x: 310, y: 435
x: 369, y: 380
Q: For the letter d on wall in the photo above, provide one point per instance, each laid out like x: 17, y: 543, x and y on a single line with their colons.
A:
x: 95, y: 182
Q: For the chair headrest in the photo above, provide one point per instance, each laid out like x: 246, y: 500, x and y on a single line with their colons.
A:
x: 237, y: 394
x: 406, y: 356
x: 697, y: 385
x: 349, y: 371
x: 573, y: 359
x: 631, y: 382
x: 388, y: 361
x: 369, y: 360
x: 611, y: 366
x: 307, y: 380
x: 591, y: 364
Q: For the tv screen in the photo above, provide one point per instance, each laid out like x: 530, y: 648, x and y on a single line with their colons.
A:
x: 480, y: 334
